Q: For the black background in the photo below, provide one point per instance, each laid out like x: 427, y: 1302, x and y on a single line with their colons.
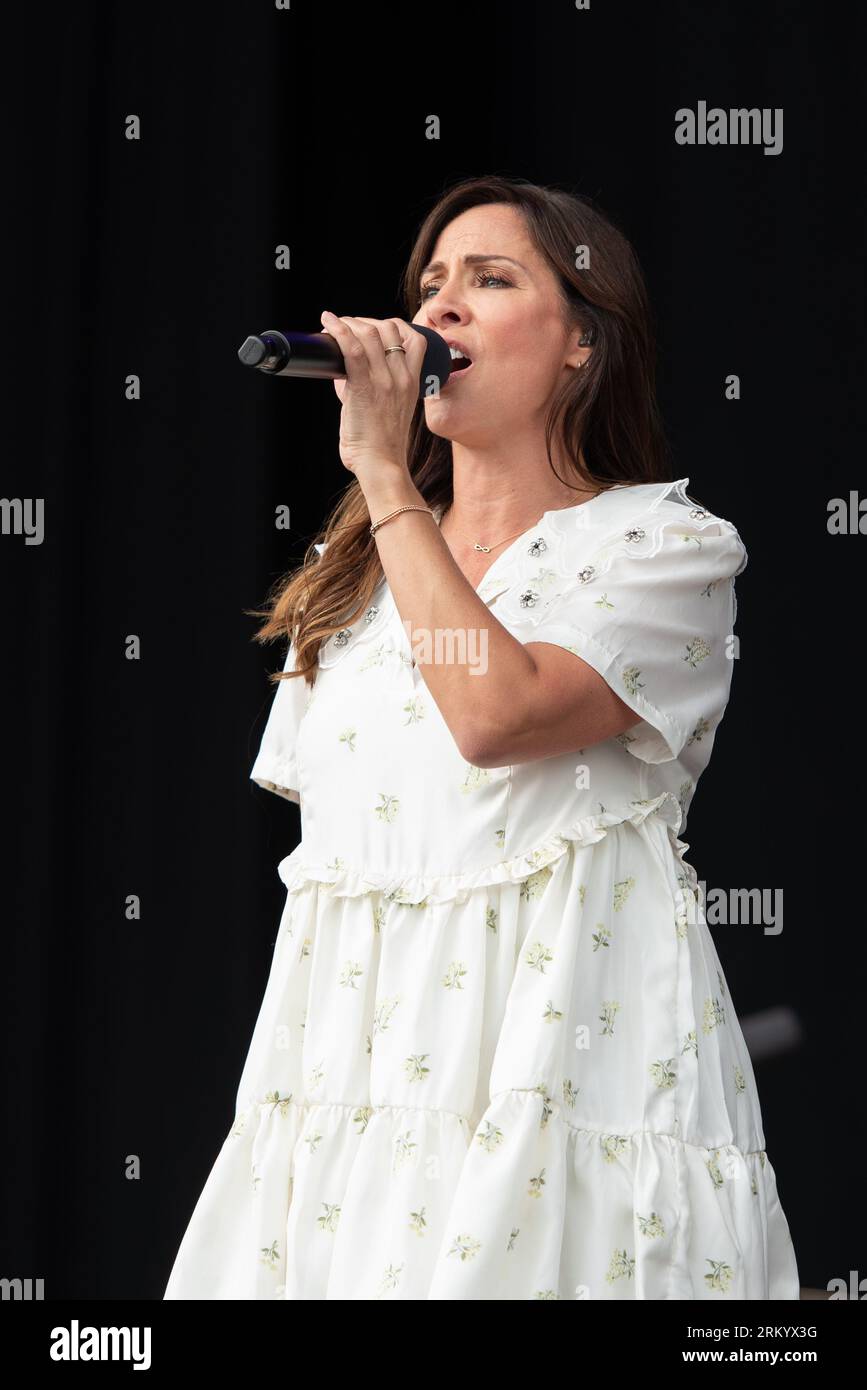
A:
x: 156, y: 257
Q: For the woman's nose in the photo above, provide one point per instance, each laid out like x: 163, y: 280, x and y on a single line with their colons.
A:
x: 445, y: 308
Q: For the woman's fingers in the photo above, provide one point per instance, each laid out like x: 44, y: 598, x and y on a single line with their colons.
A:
x: 388, y: 330
x: 380, y: 390
x: 368, y: 351
x: 385, y: 368
x: 412, y: 340
x: 382, y: 334
x: 374, y: 336
x: 414, y: 343
x: 355, y: 356
x: 415, y: 347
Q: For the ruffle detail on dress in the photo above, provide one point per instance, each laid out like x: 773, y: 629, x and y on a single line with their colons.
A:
x: 343, y: 880
x: 337, y: 1201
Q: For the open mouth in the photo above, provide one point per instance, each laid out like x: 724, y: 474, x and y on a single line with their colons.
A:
x: 460, y: 364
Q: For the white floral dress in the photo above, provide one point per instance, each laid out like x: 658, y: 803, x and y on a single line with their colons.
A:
x: 496, y: 1056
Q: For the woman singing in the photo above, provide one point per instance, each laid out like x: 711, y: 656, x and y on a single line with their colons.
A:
x: 497, y: 1057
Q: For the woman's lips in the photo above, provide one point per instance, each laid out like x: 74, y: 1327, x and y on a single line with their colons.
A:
x: 453, y: 375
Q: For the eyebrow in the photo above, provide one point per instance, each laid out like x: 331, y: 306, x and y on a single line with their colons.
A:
x: 472, y: 260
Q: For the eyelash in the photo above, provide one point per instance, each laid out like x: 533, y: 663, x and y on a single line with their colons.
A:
x: 481, y: 276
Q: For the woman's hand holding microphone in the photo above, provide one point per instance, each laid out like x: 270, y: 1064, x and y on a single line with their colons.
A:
x: 379, y: 396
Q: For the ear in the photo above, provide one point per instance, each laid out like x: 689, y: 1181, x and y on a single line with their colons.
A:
x: 578, y: 352
x: 580, y: 344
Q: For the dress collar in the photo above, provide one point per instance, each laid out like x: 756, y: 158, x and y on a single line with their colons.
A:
x: 547, y: 536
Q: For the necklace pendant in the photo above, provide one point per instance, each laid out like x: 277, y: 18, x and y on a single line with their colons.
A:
x: 485, y: 548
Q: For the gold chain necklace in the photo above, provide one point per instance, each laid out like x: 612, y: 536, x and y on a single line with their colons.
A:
x: 488, y: 548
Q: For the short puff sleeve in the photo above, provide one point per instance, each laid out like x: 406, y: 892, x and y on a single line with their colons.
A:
x: 653, y: 613
x: 276, y: 765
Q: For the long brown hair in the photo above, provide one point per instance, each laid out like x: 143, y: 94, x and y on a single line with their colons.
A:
x: 606, y: 415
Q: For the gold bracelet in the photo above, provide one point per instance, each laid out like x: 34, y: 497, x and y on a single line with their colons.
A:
x: 409, y: 508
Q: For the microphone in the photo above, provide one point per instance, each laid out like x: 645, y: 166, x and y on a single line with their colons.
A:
x: 318, y: 356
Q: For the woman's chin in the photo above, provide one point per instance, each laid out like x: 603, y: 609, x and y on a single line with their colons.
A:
x: 438, y: 409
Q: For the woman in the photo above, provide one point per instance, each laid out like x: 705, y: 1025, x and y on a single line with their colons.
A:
x: 496, y: 1056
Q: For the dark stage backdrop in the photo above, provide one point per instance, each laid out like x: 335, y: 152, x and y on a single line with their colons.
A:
x: 156, y: 257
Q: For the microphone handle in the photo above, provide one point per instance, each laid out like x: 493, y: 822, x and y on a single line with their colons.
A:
x: 318, y: 356
x: 294, y: 354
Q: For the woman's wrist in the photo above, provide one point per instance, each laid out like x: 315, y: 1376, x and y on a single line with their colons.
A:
x: 388, y: 488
